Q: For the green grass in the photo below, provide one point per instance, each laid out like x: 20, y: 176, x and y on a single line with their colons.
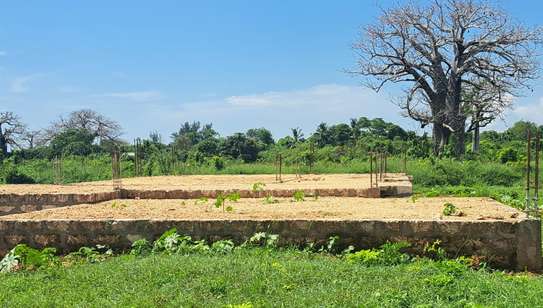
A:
x: 264, y: 277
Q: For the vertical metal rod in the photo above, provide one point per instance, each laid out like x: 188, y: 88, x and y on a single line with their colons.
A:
x: 536, y: 179
x: 371, y: 170
x: 311, y: 157
x: 385, y: 167
x: 280, y: 168
x: 376, y: 167
x: 275, y: 168
x: 528, y: 157
x: 405, y: 162
x: 381, y: 167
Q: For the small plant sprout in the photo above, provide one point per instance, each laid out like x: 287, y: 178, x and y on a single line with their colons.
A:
x: 299, y: 196
x: 234, y: 197
x: 118, y: 205
x: 220, y: 202
x: 449, y: 209
x: 258, y: 187
x: 201, y: 200
x: 270, y: 200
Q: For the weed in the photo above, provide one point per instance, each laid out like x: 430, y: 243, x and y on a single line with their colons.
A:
x: 434, y: 251
x: 201, y: 200
x: 234, y: 197
x: 298, y: 196
x: 263, y: 239
x: 270, y: 200
x: 449, y: 209
x: 220, y: 202
x: 10, y: 262
x: 387, y: 254
x: 141, y: 247
x: 118, y: 205
x: 24, y: 257
x: 258, y: 187
x: 223, y: 247
x: 91, y: 254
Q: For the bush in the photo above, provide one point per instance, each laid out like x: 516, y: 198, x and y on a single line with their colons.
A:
x: 14, y: 177
x: 387, y: 254
x: 218, y: 162
x: 507, y: 154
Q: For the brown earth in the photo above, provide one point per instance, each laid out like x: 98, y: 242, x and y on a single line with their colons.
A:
x: 324, y: 208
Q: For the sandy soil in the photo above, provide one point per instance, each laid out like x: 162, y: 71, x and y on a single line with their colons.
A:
x: 329, y: 208
x: 205, y: 182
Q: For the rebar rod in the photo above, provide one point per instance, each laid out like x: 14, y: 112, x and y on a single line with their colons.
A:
x: 371, y: 170
x: 536, y: 178
x: 528, y: 163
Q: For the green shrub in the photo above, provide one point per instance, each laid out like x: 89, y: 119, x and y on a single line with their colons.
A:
x: 507, y: 154
x: 15, y: 177
x: 28, y: 258
x: 387, y: 254
x: 141, y: 247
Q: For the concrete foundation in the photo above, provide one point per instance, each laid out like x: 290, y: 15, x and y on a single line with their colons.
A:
x: 512, y: 245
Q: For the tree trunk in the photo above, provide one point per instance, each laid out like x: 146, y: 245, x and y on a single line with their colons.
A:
x: 440, y: 138
x: 460, y: 140
x: 437, y: 138
x: 3, y: 147
x: 476, y: 140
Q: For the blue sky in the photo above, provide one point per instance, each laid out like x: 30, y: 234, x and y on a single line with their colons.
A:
x: 152, y: 65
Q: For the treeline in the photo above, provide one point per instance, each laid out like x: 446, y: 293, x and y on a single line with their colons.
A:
x: 87, y: 133
x: 85, y: 139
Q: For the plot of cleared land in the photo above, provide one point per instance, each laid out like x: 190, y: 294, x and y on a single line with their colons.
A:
x: 214, y: 182
x: 329, y: 208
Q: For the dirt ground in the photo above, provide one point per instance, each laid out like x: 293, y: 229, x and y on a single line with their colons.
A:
x: 213, y: 182
x: 329, y: 208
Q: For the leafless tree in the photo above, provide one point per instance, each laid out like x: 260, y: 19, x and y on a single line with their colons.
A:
x: 89, y: 120
x: 32, y: 138
x: 483, y: 104
x: 11, y: 130
x: 439, y: 49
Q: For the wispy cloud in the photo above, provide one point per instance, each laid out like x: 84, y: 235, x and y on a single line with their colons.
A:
x: 281, y: 110
x: 138, y: 96
x: 20, y: 84
x: 530, y: 111
x: 327, y: 96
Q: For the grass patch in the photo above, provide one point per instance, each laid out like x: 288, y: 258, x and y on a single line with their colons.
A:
x: 266, y: 277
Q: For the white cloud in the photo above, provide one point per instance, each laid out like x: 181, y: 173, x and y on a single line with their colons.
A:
x: 20, y: 84
x: 530, y: 111
x: 138, y: 96
x: 281, y: 110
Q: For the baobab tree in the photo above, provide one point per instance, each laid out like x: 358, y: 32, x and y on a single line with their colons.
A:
x: 482, y: 105
x: 89, y: 120
x: 438, y: 50
x: 11, y: 130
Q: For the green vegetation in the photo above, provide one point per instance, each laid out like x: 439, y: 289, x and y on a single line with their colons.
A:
x: 449, y: 209
x: 177, y: 270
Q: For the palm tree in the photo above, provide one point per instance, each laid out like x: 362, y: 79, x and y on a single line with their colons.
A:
x: 297, y: 134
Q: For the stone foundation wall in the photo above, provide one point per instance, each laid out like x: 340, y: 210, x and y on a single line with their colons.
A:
x: 511, y: 245
x: 246, y: 193
x: 13, y: 203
